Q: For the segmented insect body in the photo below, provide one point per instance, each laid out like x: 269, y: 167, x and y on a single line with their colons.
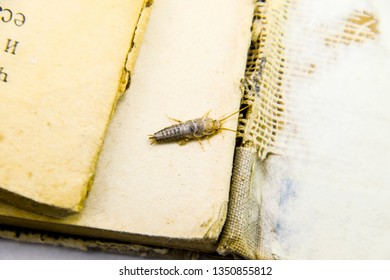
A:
x: 191, y: 129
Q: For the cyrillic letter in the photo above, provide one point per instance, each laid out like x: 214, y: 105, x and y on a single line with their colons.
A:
x: 11, y: 46
x: 3, y: 17
x: 3, y: 75
x: 20, y: 22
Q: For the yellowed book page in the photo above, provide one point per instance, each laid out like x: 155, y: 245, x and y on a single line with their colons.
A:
x: 62, y: 67
x: 191, y: 61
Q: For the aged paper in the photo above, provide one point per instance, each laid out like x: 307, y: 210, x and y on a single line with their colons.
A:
x: 62, y: 67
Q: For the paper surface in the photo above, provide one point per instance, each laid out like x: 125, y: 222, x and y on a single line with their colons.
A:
x: 59, y: 81
x: 192, y: 60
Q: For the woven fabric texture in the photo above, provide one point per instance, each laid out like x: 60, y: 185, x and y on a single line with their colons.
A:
x: 258, y: 129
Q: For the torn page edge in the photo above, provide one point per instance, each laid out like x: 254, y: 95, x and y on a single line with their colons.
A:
x: 124, y: 82
x: 134, y: 47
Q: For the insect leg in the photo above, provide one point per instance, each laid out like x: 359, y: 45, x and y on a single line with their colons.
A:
x: 175, y: 120
x: 201, y: 144
x: 183, y: 142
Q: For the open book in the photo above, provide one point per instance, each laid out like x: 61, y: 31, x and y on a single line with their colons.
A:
x: 192, y: 60
x: 306, y: 175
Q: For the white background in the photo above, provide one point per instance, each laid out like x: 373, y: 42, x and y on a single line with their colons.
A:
x: 13, y: 250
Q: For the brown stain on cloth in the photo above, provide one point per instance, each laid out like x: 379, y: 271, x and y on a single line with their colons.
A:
x: 359, y: 27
